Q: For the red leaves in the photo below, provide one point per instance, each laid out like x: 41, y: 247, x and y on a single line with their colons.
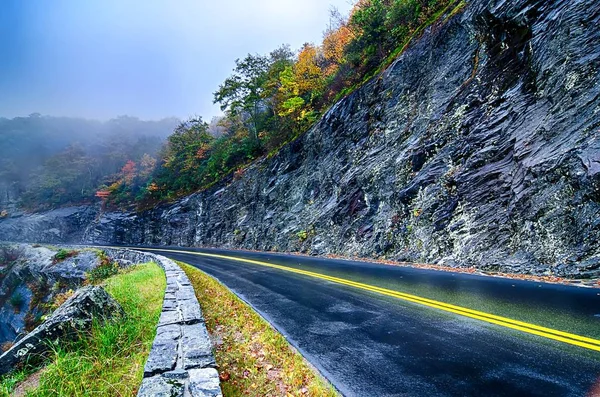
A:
x: 103, y: 194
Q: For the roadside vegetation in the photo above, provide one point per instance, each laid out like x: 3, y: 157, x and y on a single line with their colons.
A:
x: 110, y: 360
x: 253, y: 358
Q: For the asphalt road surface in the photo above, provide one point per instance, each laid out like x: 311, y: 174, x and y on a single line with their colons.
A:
x: 369, y: 342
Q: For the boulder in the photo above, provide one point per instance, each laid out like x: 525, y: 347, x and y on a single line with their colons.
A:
x: 66, y: 323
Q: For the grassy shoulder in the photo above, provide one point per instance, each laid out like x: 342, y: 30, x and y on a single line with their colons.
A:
x: 254, y: 359
x: 110, y: 361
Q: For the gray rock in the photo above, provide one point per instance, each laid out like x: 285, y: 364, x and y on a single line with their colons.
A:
x: 70, y: 319
x: 196, y: 347
x: 169, y: 316
x: 35, y: 279
x: 190, y: 311
x: 164, y: 353
x: 161, y: 386
x: 64, y: 225
x: 204, y: 383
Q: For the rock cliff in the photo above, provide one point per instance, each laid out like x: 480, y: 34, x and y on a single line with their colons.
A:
x: 479, y: 146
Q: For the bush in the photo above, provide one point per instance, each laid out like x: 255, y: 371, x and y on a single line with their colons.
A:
x: 17, y: 300
x: 302, y: 235
x: 63, y: 254
x: 104, y: 270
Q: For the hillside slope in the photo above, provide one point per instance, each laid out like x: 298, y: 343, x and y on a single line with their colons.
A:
x: 479, y: 146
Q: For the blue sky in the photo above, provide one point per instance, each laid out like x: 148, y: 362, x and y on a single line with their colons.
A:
x: 150, y: 59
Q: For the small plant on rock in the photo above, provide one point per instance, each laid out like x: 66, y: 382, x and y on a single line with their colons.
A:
x: 302, y: 235
x: 104, y: 270
x: 63, y: 254
x: 61, y: 298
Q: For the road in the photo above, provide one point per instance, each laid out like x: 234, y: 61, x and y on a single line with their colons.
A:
x: 347, y: 320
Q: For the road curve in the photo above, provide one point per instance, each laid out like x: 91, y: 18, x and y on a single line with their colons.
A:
x: 371, y: 344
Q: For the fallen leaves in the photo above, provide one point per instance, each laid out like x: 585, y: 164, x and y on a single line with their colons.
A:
x: 253, y: 358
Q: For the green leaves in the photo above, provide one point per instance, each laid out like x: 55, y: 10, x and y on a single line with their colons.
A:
x: 242, y: 93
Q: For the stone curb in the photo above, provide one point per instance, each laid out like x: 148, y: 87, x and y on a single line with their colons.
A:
x: 181, y: 362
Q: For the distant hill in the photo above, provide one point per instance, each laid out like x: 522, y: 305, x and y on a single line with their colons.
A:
x: 51, y: 161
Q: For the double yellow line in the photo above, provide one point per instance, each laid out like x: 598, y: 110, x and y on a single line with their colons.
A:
x: 572, y: 339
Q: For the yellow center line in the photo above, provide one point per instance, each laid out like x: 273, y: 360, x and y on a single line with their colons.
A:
x: 549, y: 333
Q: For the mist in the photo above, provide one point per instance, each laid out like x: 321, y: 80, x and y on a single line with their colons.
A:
x: 52, y: 161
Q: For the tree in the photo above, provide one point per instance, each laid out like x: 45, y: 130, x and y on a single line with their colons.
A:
x: 308, y: 73
x: 181, y: 166
x: 148, y: 164
x: 335, y: 39
x: 242, y: 93
x: 128, y: 171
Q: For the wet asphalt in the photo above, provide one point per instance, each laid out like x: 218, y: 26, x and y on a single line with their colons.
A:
x: 368, y: 344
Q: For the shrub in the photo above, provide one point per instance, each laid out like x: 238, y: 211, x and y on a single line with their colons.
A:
x: 63, y: 254
x: 302, y: 235
x: 104, y: 270
x: 17, y: 300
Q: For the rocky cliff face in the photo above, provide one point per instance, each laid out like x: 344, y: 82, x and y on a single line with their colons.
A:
x: 479, y: 146
x: 64, y: 225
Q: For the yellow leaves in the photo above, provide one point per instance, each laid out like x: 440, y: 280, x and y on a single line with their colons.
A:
x: 153, y: 187
x: 148, y: 164
x: 114, y: 186
x: 308, y: 74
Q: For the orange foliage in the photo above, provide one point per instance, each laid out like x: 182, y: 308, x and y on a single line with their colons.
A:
x: 238, y: 173
x: 153, y: 187
x: 128, y: 171
x: 202, y: 151
x: 334, y: 43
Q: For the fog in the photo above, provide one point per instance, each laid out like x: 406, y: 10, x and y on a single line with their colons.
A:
x: 44, y: 158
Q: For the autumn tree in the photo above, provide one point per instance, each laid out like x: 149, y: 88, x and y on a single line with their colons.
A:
x: 242, y: 92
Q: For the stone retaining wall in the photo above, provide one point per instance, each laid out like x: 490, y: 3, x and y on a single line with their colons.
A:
x: 181, y: 362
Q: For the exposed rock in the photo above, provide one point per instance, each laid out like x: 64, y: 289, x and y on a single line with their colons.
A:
x: 204, y: 383
x: 28, y: 284
x: 164, y: 350
x: 162, y: 386
x: 64, y: 225
x: 479, y: 146
x: 71, y: 318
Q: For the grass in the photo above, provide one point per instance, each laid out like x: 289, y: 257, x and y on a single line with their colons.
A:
x: 254, y: 359
x: 9, y: 381
x: 110, y: 360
